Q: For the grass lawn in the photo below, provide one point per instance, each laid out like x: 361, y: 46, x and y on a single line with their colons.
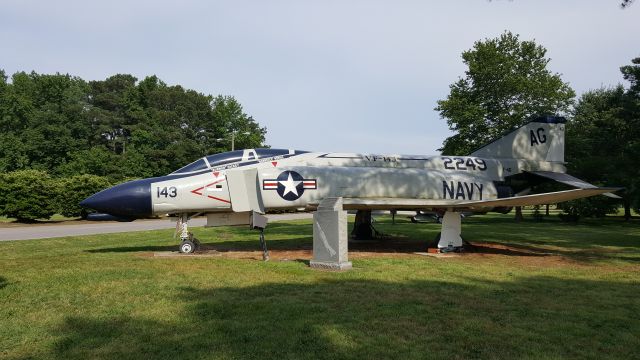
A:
x: 558, y: 291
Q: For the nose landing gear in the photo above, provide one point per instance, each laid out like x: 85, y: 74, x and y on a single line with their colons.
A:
x: 188, y: 243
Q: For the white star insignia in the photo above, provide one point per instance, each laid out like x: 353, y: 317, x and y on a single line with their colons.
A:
x: 290, y: 186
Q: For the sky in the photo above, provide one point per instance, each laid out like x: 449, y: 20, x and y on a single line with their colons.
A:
x: 332, y: 75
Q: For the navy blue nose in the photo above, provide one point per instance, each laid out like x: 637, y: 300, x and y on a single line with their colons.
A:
x: 131, y: 199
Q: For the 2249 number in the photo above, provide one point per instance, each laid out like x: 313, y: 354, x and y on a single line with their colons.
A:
x: 167, y: 191
x: 458, y: 163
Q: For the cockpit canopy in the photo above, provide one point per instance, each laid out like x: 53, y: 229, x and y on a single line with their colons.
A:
x: 236, y: 156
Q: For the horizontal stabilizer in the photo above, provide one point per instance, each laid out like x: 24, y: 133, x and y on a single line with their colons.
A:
x: 569, y: 180
x: 540, y: 199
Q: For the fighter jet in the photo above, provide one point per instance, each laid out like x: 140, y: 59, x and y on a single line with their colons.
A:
x: 229, y: 187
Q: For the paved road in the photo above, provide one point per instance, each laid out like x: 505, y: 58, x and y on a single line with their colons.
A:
x: 52, y: 231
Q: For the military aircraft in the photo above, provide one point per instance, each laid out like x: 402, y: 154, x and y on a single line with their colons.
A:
x: 229, y: 187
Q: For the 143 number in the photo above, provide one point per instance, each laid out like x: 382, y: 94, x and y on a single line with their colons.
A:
x: 167, y: 191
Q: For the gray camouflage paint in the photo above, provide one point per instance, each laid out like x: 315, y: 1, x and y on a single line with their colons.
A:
x: 533, y: 147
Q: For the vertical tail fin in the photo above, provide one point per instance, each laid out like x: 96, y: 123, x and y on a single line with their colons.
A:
x: 542, y: 139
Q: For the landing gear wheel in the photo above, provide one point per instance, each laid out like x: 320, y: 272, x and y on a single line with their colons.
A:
x: 187, y: 247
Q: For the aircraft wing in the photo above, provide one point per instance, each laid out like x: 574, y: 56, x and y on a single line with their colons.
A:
x: 419, y: 204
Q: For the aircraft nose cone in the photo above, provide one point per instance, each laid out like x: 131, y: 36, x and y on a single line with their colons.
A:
x: 132, y: 199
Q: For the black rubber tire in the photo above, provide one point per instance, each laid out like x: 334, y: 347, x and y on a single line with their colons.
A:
x: 187, y: 247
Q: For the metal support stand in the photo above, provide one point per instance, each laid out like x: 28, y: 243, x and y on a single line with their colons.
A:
x: 259, y: 222
x: 450, y: 239
x: 263, y: 243
x: 330, y: 240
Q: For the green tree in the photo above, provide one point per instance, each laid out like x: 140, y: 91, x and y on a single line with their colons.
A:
x: 102, y: 162
x: 631, y: 150
x: 114, y: 109
x: 597, y: 206
x: 168, y: 126
x: 118, y: 127
x: 72, y: 190
x: 41, y: 120
x: 506, y: 82
x: 604, y: 138
x: 27, y: 195
x: 230, y: 117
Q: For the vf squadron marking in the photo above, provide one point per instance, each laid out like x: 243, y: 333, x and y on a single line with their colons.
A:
x: 380, y: 158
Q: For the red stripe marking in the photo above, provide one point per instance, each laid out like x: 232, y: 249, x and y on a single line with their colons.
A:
x: 215, y: 198
x: 198, y: 190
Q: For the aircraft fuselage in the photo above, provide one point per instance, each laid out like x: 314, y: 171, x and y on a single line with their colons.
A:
x: 295, y: 179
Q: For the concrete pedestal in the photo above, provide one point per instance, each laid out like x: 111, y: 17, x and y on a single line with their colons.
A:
x: 330, y: 240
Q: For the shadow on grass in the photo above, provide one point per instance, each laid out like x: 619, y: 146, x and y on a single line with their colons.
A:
x: 278, y: 235
x: 3, y: 282
x: 536, y: 317
x: 584, y: 255
x: 301, y: 243
x: 389, y: 245
x: 125, y: 249
x: 580, y: 242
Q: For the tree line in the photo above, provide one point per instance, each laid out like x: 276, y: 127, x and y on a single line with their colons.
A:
x: 57, y: 127
x: 118, y: 127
